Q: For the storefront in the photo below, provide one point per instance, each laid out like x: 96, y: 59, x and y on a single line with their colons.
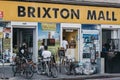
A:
x: 83, y: 26
x: 111, y: 48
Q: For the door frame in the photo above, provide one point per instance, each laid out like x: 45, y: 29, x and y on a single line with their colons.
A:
x: 72, y: 26
x: 33, y: 25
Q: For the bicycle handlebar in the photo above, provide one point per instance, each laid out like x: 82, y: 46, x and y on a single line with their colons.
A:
x: 26, y: 60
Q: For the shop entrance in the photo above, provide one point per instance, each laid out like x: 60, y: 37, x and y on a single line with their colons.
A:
x: 23, y: 35
x: 25, y: 32
x: 71, y: 35
x: 110, y: 50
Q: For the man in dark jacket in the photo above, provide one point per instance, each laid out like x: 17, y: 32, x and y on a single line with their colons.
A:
x: 23, y: 51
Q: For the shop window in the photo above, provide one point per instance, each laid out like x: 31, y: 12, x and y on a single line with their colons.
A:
x: 114, y: 44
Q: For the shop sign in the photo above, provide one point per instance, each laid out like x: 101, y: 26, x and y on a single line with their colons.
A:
x: 69, y: 30
x: 58, y: 13
x: 102, y: 15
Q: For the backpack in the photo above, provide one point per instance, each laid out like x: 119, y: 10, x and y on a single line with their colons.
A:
x: 61, y: 53
x: 40, y: 52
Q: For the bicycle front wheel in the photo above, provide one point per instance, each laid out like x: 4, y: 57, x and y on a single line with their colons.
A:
x: 28, y: 72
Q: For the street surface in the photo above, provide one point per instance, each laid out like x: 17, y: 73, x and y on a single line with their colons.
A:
x: 117, y: 78
x: 7, y: 73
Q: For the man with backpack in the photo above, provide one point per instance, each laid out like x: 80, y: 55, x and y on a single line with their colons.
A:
x: 41, y: 49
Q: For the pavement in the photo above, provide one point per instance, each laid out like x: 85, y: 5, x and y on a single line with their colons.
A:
x: 7, y: 74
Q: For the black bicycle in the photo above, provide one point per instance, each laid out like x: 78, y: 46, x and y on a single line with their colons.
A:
x: 28, y: 69
x: 23, y: 67
x: 16, y: 67
x: 53, y: 66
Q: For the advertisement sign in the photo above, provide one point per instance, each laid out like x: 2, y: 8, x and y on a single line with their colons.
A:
x: 90, y: 42
x: 49, y: 26
x: 6, y: 38
x: 1, y: 14
x: 7, y: 33
x: 50, y: 38
x: 1, y: 32
x: 6, y: 44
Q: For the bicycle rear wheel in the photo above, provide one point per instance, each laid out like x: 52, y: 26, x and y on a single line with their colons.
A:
x: 13, y: 68
x: 39, y: 68
x: 47, y: 70
x: 54, y: 71
x: 67, y: 67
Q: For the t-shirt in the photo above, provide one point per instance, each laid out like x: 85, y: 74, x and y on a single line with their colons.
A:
x: 46, y: 54
x: 41, y: 47
x: 64, y: 44
x: 40, y: 51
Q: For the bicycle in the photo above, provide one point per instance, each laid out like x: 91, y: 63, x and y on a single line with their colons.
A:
x: 53, y: 67
x: 40, y: 66
x: 69, y: 65
x: 16, y: 67
x: 61, y: 54
x: 27, y: 69
x: 48, y: 66
x: 24, y: 67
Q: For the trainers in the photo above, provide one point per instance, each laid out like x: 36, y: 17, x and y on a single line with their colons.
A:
x: 43, y: 72
x: 22, y: 72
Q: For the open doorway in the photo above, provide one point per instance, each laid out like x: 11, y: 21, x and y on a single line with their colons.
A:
x: 25, y: 32
x: 106, y: 34
x: 110, y: 50
x: 29, y: 36
x: 21, y: 35
x: 71, y: 35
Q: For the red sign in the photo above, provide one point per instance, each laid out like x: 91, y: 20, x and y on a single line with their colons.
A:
x: 1, y: 14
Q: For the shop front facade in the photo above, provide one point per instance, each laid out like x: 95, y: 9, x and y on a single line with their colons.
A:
x: 83, y: 26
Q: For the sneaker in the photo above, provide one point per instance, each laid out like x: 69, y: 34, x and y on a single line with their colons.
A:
x: 22, y: 73
x: 43, y: 72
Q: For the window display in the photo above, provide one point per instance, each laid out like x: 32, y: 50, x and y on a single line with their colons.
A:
x: 90, y: 41
x: 49, y: 34
x: 114, y: 44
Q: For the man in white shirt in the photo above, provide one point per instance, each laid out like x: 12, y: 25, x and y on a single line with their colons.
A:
x: 64, y: 43
x: 41, y: 49
x: 46, y: 54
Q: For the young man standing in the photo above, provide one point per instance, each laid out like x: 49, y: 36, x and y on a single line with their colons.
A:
x: 64, y: 43
x: 46, y: 53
